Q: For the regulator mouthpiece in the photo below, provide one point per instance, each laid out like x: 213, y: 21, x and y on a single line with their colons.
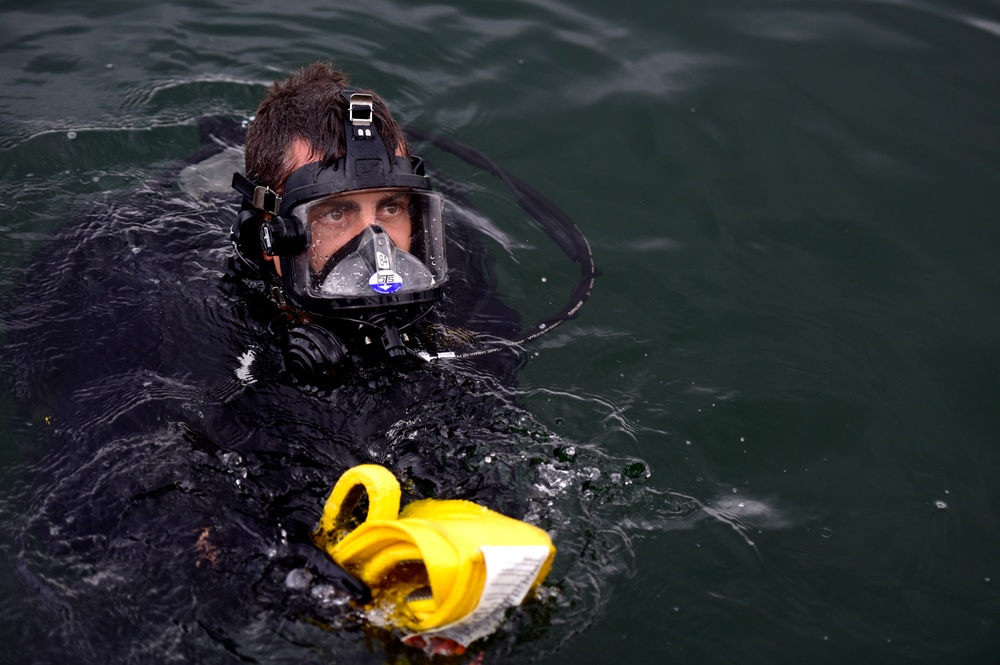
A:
x: 375, y: 266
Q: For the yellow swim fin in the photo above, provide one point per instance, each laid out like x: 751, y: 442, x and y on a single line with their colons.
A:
x: 442, y: 568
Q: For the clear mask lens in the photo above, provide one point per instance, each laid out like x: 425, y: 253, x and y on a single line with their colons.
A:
x: 370, y: 243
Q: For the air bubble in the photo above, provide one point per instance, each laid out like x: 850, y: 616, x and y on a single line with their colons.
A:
x: 298, y: 579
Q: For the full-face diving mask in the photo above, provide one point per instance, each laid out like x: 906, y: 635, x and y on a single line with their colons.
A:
x: 362, y: 232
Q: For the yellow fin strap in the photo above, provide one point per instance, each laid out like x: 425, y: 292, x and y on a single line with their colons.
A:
x: 383, y: 499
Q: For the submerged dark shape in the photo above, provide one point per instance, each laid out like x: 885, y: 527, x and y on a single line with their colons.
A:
x: 165, y: 511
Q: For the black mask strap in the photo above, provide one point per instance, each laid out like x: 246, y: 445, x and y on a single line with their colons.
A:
x: 260, y: 197
x: 366, y: 154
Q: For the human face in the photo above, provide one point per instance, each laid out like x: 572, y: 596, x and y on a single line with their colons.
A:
x: 334, y: 220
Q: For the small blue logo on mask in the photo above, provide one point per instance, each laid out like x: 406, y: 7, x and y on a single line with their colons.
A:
x: 385, y: 281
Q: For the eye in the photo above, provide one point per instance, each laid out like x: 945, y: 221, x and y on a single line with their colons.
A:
x: 328, y: 215
x: 391, y: 208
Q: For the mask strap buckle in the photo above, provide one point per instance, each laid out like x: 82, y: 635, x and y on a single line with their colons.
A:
x: 361, y: 114
x: 262, y: 197
x: 266, y: 199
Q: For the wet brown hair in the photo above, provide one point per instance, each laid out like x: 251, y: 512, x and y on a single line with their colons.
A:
x: 307, y: 105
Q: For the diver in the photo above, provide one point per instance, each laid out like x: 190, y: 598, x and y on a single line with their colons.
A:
x: 340, y: 223
x: 350, y: 274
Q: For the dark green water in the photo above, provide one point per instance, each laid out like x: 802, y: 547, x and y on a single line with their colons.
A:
x: 793, y: 206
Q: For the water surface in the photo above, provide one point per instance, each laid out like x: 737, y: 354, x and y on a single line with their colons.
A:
x: 796, y: 328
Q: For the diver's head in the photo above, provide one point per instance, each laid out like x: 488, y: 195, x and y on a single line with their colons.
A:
x: 334, y: 207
